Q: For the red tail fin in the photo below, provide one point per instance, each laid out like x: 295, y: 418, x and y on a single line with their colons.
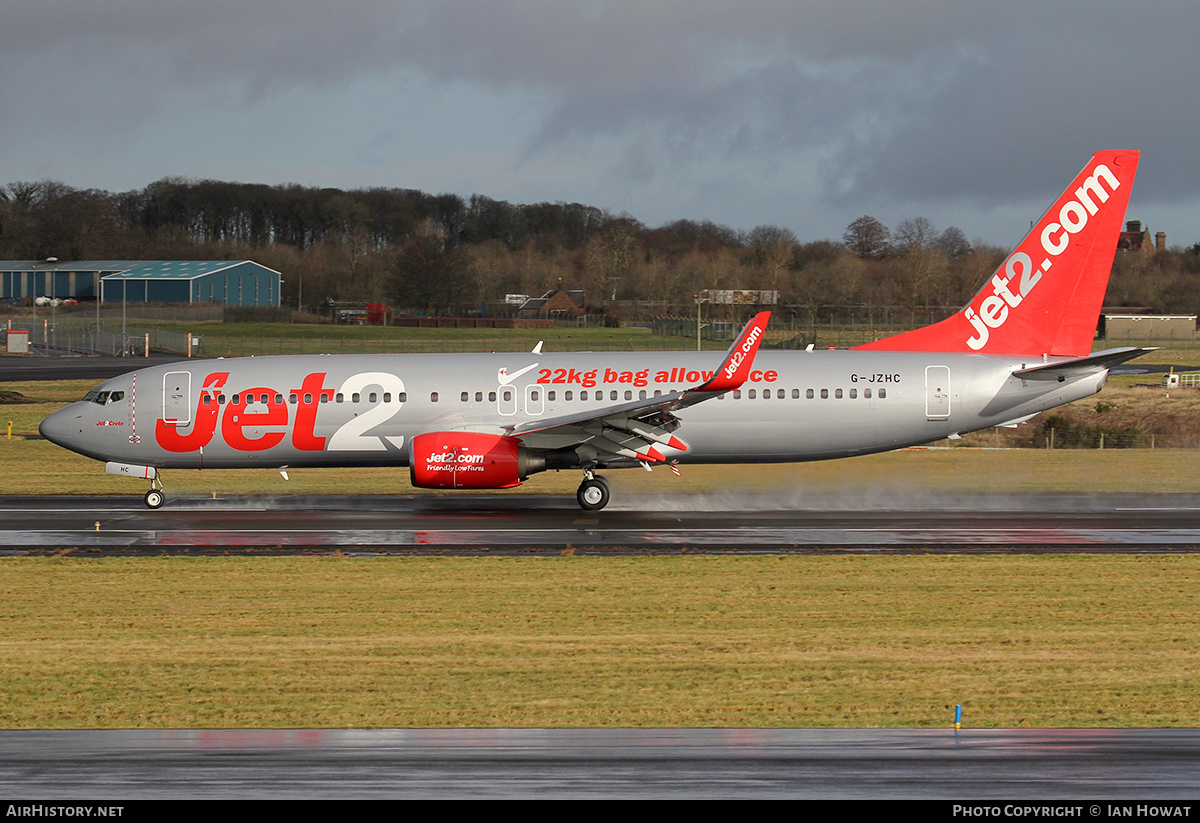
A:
x: 1046, y: 297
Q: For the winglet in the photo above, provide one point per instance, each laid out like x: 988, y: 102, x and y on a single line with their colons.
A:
x: 735, y: 369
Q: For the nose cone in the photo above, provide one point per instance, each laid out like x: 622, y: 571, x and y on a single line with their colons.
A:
x: 63, y: 427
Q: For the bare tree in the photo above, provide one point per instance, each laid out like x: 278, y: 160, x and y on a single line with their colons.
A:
x: 428, y: 272
x: 953, y: 243
x: 867, y: 237
x: 774, y: 249
x: 913, y: 235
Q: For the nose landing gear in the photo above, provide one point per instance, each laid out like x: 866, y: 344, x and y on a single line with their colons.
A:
x: 156, y: 496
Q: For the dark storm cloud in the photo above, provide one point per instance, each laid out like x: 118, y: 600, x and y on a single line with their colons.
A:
x: 911, y: 100
x: 844, y: 103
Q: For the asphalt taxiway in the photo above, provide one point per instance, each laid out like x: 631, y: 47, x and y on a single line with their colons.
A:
x: 538, y: 524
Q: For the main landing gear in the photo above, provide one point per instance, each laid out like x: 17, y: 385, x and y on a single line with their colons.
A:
x: 593, y: 492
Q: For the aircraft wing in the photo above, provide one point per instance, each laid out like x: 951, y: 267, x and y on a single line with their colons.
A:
x: 635, y: 430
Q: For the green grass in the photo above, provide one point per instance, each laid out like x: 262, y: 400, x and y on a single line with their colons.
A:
x: 245, y: 339
x: 592, y: 642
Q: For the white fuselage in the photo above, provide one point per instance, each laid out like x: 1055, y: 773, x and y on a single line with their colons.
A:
x: 353, y: 410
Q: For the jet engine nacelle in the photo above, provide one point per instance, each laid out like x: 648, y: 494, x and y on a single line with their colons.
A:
x: 470, y: 460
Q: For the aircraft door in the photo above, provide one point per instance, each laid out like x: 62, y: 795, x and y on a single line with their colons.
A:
x: 937, y: 392
x: 506, y: 401
x: 534, y: 402
x: 177, y: 391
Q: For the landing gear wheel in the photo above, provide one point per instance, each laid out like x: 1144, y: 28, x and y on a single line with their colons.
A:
x: 155, y: 499
x: 593, y: 494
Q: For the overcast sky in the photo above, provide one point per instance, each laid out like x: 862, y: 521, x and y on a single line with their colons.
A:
x: 800, y: 114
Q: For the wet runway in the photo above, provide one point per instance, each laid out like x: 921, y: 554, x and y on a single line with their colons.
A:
x: 1016, y: 766
x: 536, y: 524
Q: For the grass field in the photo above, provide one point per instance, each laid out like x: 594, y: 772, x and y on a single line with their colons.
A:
x: 245, y: 339
x: 590, y: 642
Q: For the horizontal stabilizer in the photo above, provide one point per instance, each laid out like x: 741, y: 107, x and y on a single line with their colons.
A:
x: 1077, y: 367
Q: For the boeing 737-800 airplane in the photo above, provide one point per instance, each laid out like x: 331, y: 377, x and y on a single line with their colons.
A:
x: 488, y: 421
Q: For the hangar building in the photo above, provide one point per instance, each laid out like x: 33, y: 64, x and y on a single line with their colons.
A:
x: 228, y: 282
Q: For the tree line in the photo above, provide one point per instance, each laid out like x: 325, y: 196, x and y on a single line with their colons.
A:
x: 445, y: 254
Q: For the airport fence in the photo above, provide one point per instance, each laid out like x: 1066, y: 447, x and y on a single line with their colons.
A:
x: 83, y: 336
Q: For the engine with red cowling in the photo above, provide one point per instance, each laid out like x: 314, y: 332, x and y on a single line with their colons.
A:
x: 470, y: 460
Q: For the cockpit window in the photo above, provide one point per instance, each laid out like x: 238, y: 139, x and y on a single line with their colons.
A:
x: 103, y: 398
